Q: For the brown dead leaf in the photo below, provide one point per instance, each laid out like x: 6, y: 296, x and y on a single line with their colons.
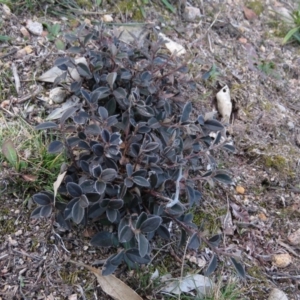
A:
x: 249, y: 14
x: 263, y: 217
x: 29, y: 177
x: 243, y: 40
x: 239, y: 212
x: 227, y: 224
x: 58, y: 181
x: 111, y: 285
x: 240, y: 190
x: 88, y: 232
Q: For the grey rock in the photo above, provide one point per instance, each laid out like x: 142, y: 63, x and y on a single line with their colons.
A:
x: 277, y: 294
x: 192, y: 14
x: 35, y: 28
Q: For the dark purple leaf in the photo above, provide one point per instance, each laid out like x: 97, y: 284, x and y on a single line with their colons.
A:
x: 87, y: 186
x: 163, y: 232
x: 239, y: 268
x: 102, y: 239
x: 134, y: 256
x: 100, y: 186
x: 151, y: 224
x: 111, y: 215
x: 224, y: 178
x: 84, y: 71
x: 194, y: 242
x: 46, y: 125
x: 143, y: 244
x: 77, y: 212
x: 108, y: 175
x: 126, y: 234
x: 229, y: 147
x: 111, y: 78
x: 103, y: 113
x: 105, y: 135
x: 212, y: 125
x: 215, y: 240
x: 141, y: 219
x: 83, y: 201
x: 150, y: 147
x: 55, y: 147
x: 187, y: 109
x: 128, y: 182
x: 92, y: 129
x: 42, y: 199
x: 211, y: 266
x: 74, y: 189
x: 46, y: 211
x: 73, y: 141
x: 67, y: 114
x: 36, y: 214
x: 115, y: 204
x: 141, y: 181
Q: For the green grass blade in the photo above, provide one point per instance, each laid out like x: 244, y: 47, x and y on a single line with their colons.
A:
x: 169, y: 6
x: 4, y: 38
x: 290, y: 34
x: 10, y: 153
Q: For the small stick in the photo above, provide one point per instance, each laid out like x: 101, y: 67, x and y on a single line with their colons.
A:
x: 16, y: 77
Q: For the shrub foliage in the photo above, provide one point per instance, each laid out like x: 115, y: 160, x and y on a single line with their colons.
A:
x: 136, y: 148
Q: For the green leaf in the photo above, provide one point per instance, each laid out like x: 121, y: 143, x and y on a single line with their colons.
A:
x: 60, y: 45
x: 4, y: 38
x: 290, y: 34
x: 10, y: 153
x: 169, y: 6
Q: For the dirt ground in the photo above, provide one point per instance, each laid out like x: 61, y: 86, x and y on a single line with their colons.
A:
x: 263, y: 76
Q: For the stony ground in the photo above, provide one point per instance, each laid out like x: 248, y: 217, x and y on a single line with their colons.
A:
x: 264, y: 205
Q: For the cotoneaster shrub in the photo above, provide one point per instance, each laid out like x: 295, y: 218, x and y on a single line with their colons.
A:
x: 136, y: 148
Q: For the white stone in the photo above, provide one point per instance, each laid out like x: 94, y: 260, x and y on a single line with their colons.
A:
x: 58, y: 95
x: 224, y: 103
x: 35, y: 28
x: 277, y: 294
x: 291, y: 125
x: 172, y: 46
x: 281, y: 107
x: 192, y: 14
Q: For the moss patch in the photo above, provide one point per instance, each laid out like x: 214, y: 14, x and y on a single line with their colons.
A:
x: 277, y: 162
x: 256, y: 6
x: 129, y: 6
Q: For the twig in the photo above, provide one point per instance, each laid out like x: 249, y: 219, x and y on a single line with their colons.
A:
x: 30, y: 95
x: 13, y: 51
x: 83, y: 12
x: 182, y: 264
x: 16, y: 77
x: 176, y: 197
x: 288, y: 248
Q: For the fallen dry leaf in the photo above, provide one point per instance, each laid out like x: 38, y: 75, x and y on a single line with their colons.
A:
x: 281, y: 260
x: 239, y: 212
x: 249, y: 14
x: 243, y: 40
x: 29, y: 177
x: 58, y: 181
x: 263, y: 217
x: 240, y: 190
x: 111, y: 285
